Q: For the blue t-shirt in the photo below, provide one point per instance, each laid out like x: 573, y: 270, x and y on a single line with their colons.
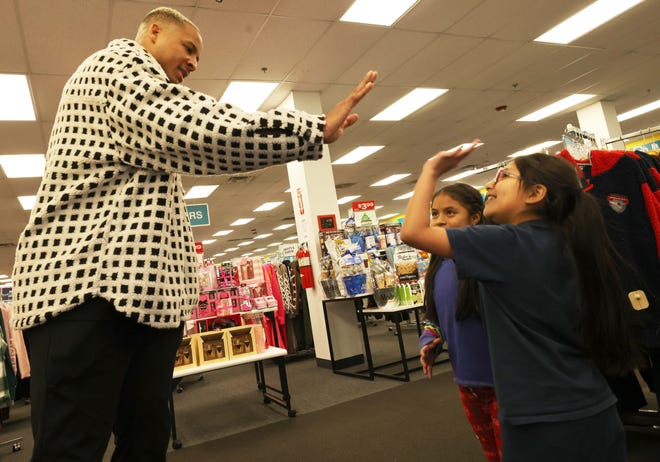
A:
x: 466, y: 339
x: 531, y: 309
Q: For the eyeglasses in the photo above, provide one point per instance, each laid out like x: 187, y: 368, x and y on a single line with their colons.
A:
x: 501, y: 174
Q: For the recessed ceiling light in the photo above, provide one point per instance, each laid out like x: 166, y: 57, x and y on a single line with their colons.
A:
x: 241, y: 221
x: 27, y: 202
x: 377, y: 12
x: 23, y: 165
x: 409, y: 103
x: 266, y: 206
x: 15, y: 98
x: 200, y: 192
x: 357, y: 154
x: 534, y: 149
x: 224, y: 232
x: 586, y: 20
x: 639, y: 111
x: 346, y: 199
x: 391, y: 179
x: 249, y: 96
x: 285, y: 226
x: 555, y: 107
x: 403, y: 197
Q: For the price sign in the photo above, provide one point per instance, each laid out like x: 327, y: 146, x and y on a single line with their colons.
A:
x: 360, y: 206
x: 365, y: 213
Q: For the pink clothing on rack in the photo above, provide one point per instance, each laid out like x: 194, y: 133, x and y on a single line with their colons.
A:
x: 17, y: 349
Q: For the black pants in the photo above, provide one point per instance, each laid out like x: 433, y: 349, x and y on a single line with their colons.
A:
x: 95, y: 372
x: 599, y: 438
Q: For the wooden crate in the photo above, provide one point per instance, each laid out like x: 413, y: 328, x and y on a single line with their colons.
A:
x: 212, y: 347
x: 187, y: 354
x: 241, y: 341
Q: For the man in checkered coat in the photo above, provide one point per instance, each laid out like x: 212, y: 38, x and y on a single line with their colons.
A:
x: 105, y: 271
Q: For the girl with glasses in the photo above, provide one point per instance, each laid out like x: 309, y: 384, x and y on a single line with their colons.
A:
x: 550, y: 301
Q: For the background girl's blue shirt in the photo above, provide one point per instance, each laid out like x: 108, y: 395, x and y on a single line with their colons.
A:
x: 466, y: 339
x: 530, y: 298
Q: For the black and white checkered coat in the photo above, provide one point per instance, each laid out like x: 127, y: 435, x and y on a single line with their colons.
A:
x: 110, y: 219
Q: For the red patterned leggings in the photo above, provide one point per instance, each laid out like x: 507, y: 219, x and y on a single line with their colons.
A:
x: 480, y: 407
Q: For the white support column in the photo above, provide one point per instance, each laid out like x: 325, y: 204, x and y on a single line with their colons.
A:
x: 313, y: 193
x: 601, y: 119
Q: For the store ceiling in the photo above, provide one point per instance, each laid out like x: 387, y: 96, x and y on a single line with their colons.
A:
x: 481, y: 50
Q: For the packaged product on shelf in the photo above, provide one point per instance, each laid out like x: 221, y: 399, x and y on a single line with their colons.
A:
x: 384, y: 282
x: 329, y: 278
x: 405, y: 263
x: 353, y: 274
x: 207, y: 277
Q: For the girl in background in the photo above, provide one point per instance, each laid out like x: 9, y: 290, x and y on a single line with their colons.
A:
x: 452, y: 315
x: 550, y: 301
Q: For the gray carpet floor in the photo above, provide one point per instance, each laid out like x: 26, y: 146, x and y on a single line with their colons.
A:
x: 223, y: 417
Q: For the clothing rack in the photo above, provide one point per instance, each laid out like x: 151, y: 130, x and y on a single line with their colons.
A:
x: 637, y: 134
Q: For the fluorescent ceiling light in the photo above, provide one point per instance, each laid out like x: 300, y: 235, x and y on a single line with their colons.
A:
x: 231, y: 249
x: 15, y: 98
x: 391, y: 179
x: 378, y: 12
x: 263, y: 236
x: 221, y: 254
x: 241, y: 221
x: 639, y: 111
x: 389, y: 215
x: 346, y: 199
x: 534, y: 149
x: 4, y: 276
x: 244, y: 243
x: 27, y: 202
x: 266, y: 206
x: 409, y: 103
x: 224, y: 232
x: 261, y: 249
x: 403, y: 197
x: 285, y: 226
x: 586, y: 20
x: 208, y: 241
x: 248, y: 96
x: 274, y: 244
x: 357, y: 154
x: 461, y: 175
x: 378, y: 207
x: 291, y: 238
x: 247, y: 254
x: 200, y: 192
x: 555, y: 107
x: 23, y: 165
x: 288, y: 191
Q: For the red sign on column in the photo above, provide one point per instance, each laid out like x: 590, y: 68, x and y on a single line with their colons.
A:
x: 199, y: 247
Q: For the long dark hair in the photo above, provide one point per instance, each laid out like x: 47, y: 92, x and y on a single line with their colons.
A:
x: 607, y: 336
x: 467, y: 304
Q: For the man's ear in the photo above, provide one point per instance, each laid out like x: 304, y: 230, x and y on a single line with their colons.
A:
x: 535, y: 194
x: 475, y: 218
x: 154, y: 30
